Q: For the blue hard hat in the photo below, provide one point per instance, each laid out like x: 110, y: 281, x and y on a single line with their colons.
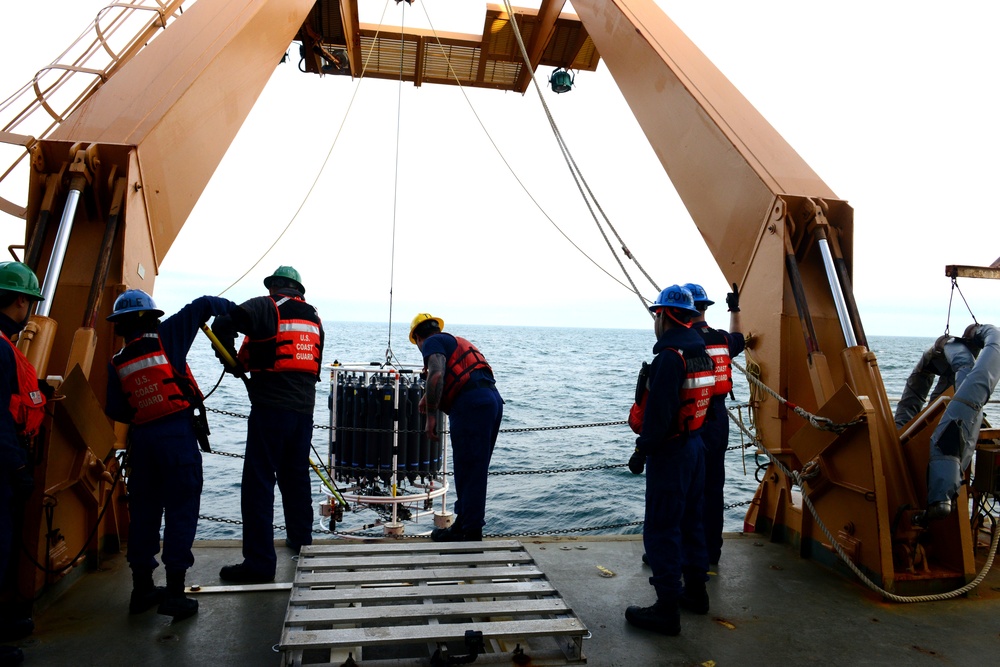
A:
x: 699, y: 294
x: 675, y: 296
x: 133, y: 301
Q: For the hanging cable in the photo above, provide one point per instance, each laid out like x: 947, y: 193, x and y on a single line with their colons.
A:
x: 574, y: 169
x: 458, y: 82
x: 951, y: 297
x: 395, y: 183
x: 322, y: 167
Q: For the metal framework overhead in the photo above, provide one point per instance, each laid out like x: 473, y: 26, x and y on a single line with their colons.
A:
x: 335, y: 42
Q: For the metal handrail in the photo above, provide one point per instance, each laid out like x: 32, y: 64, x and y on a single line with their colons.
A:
x: 35, y: 110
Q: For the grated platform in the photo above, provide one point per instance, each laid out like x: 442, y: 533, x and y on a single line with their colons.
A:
x: 426, y: 603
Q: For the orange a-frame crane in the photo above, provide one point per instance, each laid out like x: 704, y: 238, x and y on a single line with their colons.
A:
x: 140, y: 148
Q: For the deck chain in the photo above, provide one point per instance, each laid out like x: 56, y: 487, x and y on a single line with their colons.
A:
x: 363, y: 429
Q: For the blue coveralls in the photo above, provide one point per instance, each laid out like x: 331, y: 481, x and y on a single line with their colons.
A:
x: 164, y: 460
x: 474, y: 420
x: 12, y: 454
x: 673, y: 535
x: 279, y: 436
x: 715, y: 435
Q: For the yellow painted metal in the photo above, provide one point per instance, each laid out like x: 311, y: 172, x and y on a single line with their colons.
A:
x: 75, y: 473
x: 162, y: 123
x: 779, y: 232
x: 187, y: 94
x: 35, y: 342
x: 118, y: 32
x: 82, y: 351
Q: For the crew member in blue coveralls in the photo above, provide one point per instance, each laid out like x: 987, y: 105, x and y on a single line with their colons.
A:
x: 722, y: 346
x: 282, y: 350
x: 460, y: 383
x: 20, y: 418
x: 681, y: 382
x: 151, y: 388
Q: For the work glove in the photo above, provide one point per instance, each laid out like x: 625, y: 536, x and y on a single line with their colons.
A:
x: 22, y: 482
x: 48, y: 391
x: 637, y: 463
x: 222, y: 327
x: 733, y: 300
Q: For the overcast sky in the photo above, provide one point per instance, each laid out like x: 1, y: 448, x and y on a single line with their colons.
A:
x: 891, y: 103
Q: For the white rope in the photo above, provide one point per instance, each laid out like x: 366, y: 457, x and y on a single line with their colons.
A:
x: 811, y: 470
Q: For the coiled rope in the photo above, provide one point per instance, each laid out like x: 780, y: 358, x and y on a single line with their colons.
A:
x: 808, y: 471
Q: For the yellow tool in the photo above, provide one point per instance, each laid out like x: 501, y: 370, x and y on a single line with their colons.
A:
x: 328, y: 483
x: 224, y: 354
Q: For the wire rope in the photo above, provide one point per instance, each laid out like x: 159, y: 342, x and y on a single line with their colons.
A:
x: 507, y: 164
x: 322, y: 167
x: 395, y: 182
x: 581, y: 183
x: 951, y: 297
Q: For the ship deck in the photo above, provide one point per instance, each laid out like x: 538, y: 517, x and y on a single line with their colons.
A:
x: 768, y: 607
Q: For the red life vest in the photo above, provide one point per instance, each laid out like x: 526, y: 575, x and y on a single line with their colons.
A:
x: 27, y: 406
x: 717, y: 346
x: 295, y: 345
x: 638, y: 411
x: 696, y: 392
x: 465, y: 359
x: 153, y: 387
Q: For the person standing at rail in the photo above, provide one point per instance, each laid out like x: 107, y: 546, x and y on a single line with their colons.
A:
x: 681, y: 381
x: 19, y: 422
x: 150, y: 387
x: 282, y: 351
x: 460, y: 383
x: 722, y: 346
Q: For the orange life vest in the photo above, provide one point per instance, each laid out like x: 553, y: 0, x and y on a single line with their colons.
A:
x: 717, y: 346
x: 696, y: 392
x: 152, y: 385
x: 295, y: 345
x: 465, y: 359
x: 27, y: 406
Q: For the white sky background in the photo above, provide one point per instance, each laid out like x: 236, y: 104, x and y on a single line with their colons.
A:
x: 892, y: 103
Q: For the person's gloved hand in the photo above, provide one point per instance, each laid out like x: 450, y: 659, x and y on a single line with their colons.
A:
x: 637, y: 463
x: 236, y: 370
x: 48, y: 391
x: 733, y: 300
x: 22, y: 482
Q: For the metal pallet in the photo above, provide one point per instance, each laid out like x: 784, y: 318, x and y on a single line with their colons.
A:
x: 423, y: 603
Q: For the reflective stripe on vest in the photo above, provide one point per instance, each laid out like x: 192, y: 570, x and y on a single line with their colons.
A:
x: 723, y: 368
x: 27, y: 406
x: 150, y: 382
x: 465, y: 359
x: 295, y: 345
x: 717, y: 346
x: 696, y: 392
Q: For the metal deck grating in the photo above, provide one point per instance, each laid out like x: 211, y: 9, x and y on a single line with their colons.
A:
x: 400, y: 603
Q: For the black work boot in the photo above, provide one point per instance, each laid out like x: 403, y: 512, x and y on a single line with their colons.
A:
x: 144, y: 594
x: 694, y: 597
x: 455, y: 534
x: 662, y: 617
x: 175, y: 603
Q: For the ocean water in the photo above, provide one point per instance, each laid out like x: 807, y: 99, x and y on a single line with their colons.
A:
x: 548, y: 377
